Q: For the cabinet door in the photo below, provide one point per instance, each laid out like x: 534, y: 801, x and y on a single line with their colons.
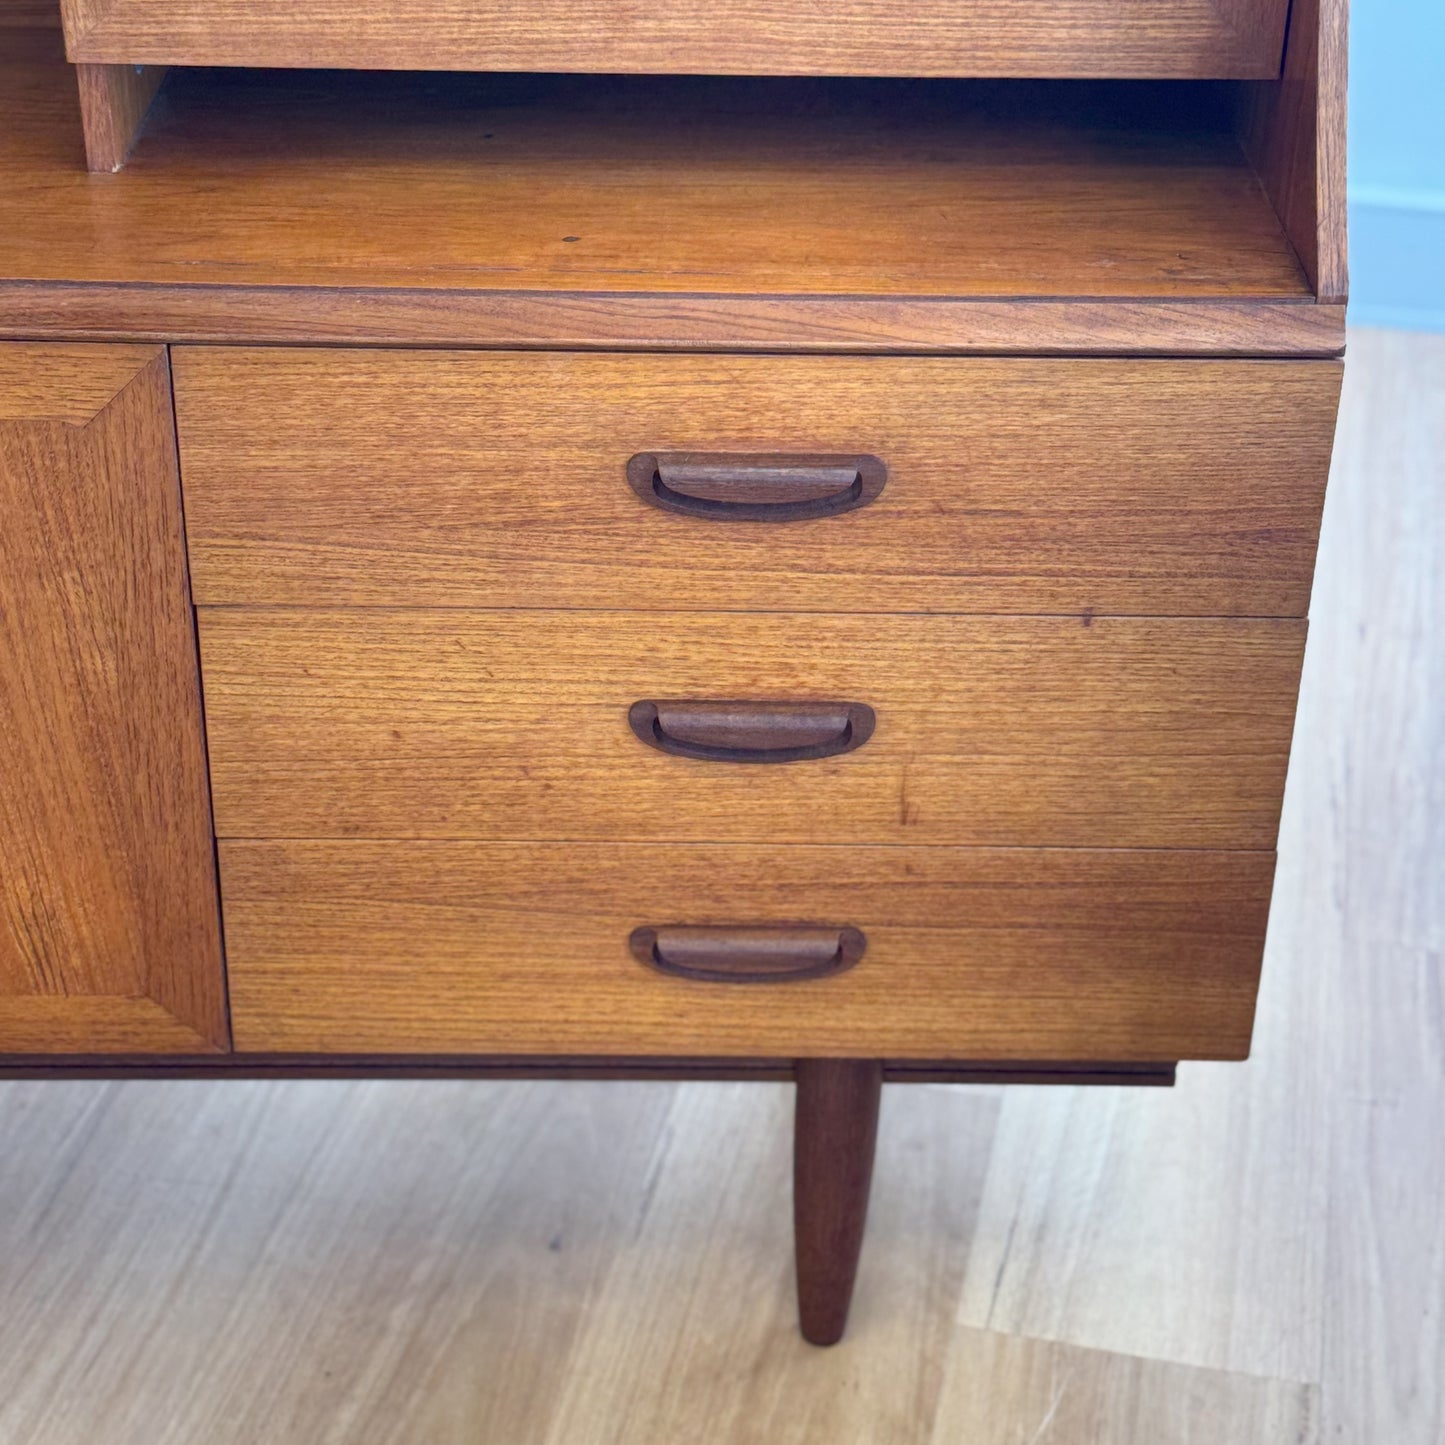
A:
x: 109, y: 927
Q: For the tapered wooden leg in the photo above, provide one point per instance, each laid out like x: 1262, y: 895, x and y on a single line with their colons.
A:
x: 835, y: 1130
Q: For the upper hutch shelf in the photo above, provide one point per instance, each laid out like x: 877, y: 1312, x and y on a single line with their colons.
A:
x: 359, y: 193
x: 626, y: 211
x: 1176, y: 39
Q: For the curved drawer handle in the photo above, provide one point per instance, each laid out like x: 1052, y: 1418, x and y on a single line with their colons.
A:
x: 768, y: 487
x: 748, y: 953
x: 752, y: 732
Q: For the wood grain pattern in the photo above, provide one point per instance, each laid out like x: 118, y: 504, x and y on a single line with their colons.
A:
x: 999, y: 1386
x: 427, y: 478
x: 1174, y: 38
x: 114, y: 100
x: 1282, y: 1219
x: 68, y: 385
x: 29, y: 14
x: 78, y: 17
x: 110, y: 939
x: 448, y: 1262
x: 1294, y: 129
x: 575, y: 321
x: 358, y: 1249
x: 40, y: 1024
x: 1371, y: 839
x: 753, y: 1381
x: 1038, y: 730
x: 767, y: 187
x: 835, y: 1136
x: 831, y: 215
x: 979, y: 953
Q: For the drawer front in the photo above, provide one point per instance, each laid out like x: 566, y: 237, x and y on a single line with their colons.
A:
x: 1115, y: 732
x: 490, y: 479
x: 465, y: 947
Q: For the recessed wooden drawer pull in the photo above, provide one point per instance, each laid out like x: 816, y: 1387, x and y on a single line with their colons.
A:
x: 749, y: 953
x: 762, y: 488
x: 752, y: 732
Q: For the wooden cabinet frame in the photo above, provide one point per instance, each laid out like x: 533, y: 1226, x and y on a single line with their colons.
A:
x: 110, y: 951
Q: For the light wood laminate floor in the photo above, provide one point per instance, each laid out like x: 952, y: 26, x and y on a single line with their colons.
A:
x: 1257, y: 1256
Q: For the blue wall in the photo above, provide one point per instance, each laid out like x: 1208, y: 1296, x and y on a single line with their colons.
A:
x: 1397, y: 163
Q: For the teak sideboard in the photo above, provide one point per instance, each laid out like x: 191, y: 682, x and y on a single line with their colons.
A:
x: 682, y: 542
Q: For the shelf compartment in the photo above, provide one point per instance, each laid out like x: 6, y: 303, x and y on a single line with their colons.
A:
x: 558, y: 210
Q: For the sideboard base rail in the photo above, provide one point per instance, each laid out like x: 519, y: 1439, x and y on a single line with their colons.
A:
x: 525, y: 1066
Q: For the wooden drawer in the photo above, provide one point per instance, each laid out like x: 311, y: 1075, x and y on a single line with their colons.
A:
x: 1166, y: 38
x: 465, y: 947
x: 493, y: 479
x: 1113, y: 732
